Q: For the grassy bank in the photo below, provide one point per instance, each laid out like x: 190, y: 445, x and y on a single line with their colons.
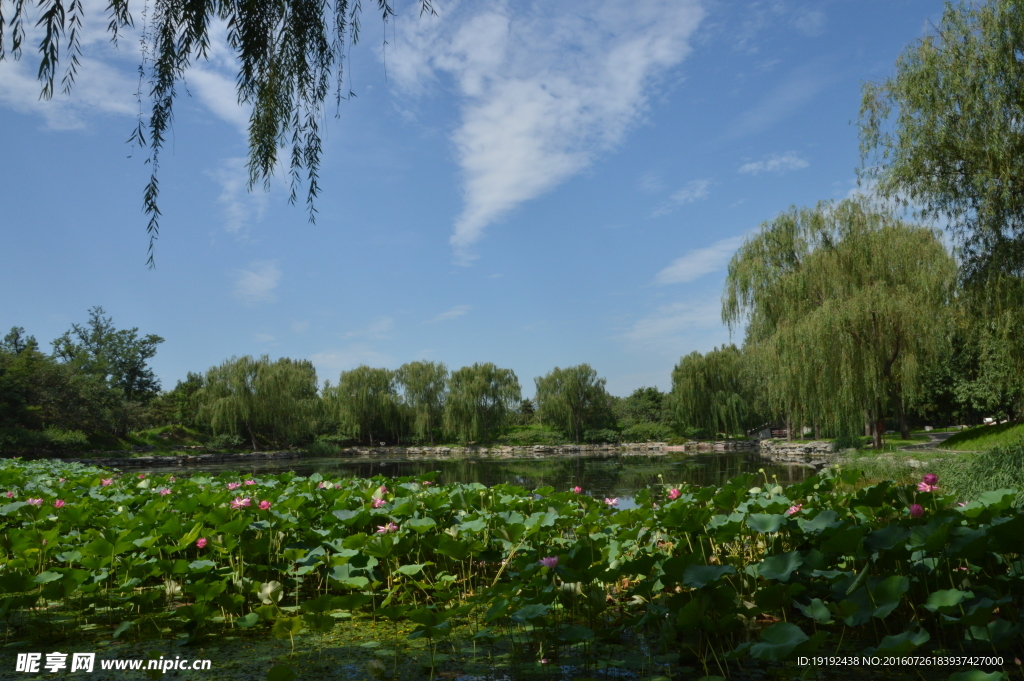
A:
x: 981, y: 438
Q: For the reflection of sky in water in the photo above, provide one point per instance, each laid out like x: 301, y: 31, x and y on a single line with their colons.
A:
x: 599, y: 476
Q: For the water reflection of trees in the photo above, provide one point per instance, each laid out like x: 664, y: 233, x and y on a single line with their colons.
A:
x: 620, y: 474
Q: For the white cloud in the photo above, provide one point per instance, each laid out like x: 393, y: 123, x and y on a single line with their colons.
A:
x: 542, y: 92
x: 698, y: 262
x: 810, y: 22
x: 675, y: 328
x: 776, y: 163
x: 330, y: 362
x: 379, y: 328
x: 693, y: 191
x: 453, y: 313
x: 257, y: 284
x: 264, y: 338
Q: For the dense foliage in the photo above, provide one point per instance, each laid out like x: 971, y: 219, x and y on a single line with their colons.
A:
x: 711, y: 575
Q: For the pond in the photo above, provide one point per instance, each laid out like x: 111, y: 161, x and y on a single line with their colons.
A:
x: 611, y: 475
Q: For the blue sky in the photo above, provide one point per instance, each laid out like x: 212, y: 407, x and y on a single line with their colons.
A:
x: 530, y: 184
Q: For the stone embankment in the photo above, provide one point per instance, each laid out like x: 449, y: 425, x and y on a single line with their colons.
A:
x: 815, y: 454
x: 197, y: 456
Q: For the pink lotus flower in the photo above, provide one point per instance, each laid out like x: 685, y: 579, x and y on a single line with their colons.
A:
x: 164, y: 491
x: 654, y: 505
x: 383, y: 489
x: 34, y: 502
x: 106, y: 482
x: 321, y: 485
x: 384, y: 529
x: 9, y: 495
x: 264, y: 505
x: 577, y: 490
x: 925, y: 487
x: 60, y: 479
x: 795, y: 509
x: 916, y: 510
x: 234, y: 485
x: 961, y: 504
x: 239, y: 502
x: 674, y: 494
x: 377, y: 503
x: 930, y: 478
x: 549, y: 561
x: 172, y: 479
x: 142, y: 476
x: 544, y: 660
x: 250, y: 482
x: 427, y: 483
x: 59, y: 503
x: 611, y: 502
x: 201, y: 543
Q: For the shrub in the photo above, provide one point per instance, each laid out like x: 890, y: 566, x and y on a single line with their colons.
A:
x: 22, y: 440
x: 847, y: 441
x: 647, y: 432
x: 322, y: 447
x: 224, y: 442
x: 602, y: 436
x: 526, y: 436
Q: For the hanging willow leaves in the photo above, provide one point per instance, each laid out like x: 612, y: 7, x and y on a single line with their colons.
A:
x: 289, y: 53
x: 257, y: 399
x: 423, y: 385
x: 710, y: 392
x: 366, y: 403
x: 844, y: 304
x: 572, y: 399
x: 946, y: 133
x: 480, y: 400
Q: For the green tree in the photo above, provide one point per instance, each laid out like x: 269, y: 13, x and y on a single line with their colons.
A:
x: 944, y: 133
x: 480, y: 400
x: 260, y: 400
x: 572, y: 400
x: 644, y: 405
x: 366, y: 403
x: 180, y: 405
x: 119, y: 356
x: 709, y: 392
x: 844, y: 305
x: 289, y: 53
x: 424, y: 386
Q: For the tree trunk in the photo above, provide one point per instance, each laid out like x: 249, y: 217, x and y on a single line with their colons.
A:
x: 867, y: 424
x: 789, y: 430
x: 817, y: 432
x: 904, y: 426
x: 879, y: 431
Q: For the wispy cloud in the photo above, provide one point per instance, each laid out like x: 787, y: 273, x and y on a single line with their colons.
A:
x: 676, y: 327
x: 453, y: 313
x: 776, y: 163
x: 794, y: 92
x: 241, y: 207
x: 693, y: 191
x: 698, y: 262
x: 257, y: 284
x: 543, y: 91
x: 379, y: 328
x: 264, y: 338
x: 650, y: 183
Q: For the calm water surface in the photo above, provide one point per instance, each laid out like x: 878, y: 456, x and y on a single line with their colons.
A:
x: 619, y: 475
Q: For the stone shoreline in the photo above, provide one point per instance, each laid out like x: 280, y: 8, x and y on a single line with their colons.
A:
x: 814, y: 454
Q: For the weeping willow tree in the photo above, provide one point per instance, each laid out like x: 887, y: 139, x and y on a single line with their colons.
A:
x: 258, y: 399
x: 366, y: 404
x: 481, y: 399
x: 709, y: 392
x: 572, y: 399
x: 290, y: 55
x: 844, y: 305
x: 423, y: 389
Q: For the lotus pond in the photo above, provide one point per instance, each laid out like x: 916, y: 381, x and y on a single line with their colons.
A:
x: 277, y: 575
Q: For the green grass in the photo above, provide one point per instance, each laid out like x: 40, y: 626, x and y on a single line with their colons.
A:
x: 982, y: 438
